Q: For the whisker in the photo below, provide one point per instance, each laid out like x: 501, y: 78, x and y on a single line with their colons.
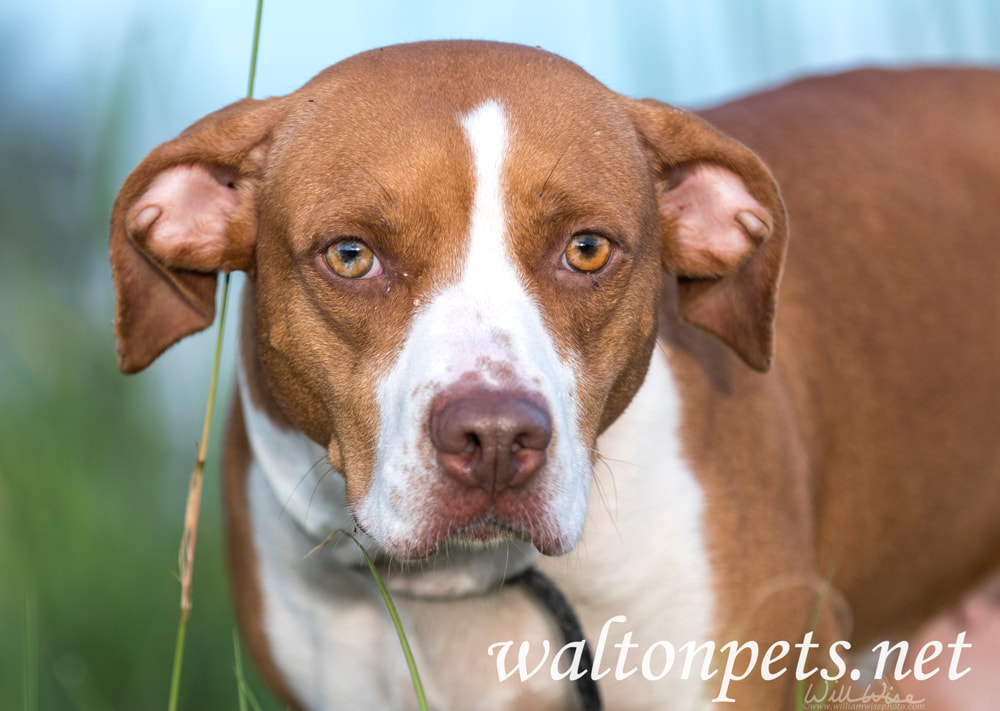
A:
x: 612, y: 517
x: 324, y: 475
x: 330, y: 470
x: 295, y: 488
x: 549, y: 176
x: 506, y: 565
x: 626, y: 462
x: 388, y: 195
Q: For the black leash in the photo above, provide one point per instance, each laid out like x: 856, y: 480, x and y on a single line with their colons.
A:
x: 558, y: 606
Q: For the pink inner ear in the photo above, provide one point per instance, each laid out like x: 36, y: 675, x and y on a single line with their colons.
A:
x: 718, y: 222
x: 185, y: 215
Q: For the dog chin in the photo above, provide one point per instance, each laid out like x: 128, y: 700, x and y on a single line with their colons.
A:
x: 484, y: 535
x: 476, y: 562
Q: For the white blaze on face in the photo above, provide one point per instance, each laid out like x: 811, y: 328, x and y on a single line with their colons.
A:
x: 487, y: 324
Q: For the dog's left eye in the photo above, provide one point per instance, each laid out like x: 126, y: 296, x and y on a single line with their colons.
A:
x: 352, y: 259
x: 588, y: 252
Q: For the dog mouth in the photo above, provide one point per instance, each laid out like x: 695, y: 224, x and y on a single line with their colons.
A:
x: 491, y: 526
x: 487, y: 533
x: 473, y: 561
x: 415, y: 520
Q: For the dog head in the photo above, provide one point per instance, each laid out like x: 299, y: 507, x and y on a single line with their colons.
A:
x: 455, y: 255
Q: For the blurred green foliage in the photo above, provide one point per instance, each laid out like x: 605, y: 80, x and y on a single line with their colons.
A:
x: 91, y: 493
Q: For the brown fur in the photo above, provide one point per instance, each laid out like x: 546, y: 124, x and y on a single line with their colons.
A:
x: 875, y: 458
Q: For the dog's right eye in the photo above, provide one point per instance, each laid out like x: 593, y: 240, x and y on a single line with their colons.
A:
x: 587, y: 252
x: 352, y: 259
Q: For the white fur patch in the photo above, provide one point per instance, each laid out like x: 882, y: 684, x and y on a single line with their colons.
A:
x: 488, y: 325
x: 325, y: 627
x: 310, y: 493
x: 643, y: 553
x: 316, y: 612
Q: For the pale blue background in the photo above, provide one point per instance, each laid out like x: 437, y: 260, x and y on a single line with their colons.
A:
x: 192, y: 55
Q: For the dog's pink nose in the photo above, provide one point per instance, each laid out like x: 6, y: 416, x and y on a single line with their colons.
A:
x: 490, y: 439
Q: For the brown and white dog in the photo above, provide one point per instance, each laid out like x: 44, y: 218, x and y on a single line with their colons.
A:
x: 497, y: 313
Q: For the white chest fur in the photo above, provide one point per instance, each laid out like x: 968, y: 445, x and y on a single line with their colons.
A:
x: 643, y: 553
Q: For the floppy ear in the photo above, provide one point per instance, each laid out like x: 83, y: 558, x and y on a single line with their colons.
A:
x: 723, y: 227
x: 185, y: 213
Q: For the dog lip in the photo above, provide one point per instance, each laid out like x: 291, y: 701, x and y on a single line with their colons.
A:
x: 486, y: 532
x: 458, y: 569
x: 481, y: 533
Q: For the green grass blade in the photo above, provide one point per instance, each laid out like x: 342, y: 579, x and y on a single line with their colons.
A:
x: 253, y: 52
x: 245, y: 693
x: 175, y: 675
x: 30, y: 655
x: 210, y: 405
x: 238, y: 670
x: 824, y: 592
x: 418, y: 687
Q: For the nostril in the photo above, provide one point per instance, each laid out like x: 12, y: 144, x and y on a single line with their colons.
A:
x: 524, y: 463
x: 490, y: 439
x: 535, y: 431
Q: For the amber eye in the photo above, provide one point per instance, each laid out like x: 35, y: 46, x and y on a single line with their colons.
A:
x: 352, y: 259
x: 588, y: 252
